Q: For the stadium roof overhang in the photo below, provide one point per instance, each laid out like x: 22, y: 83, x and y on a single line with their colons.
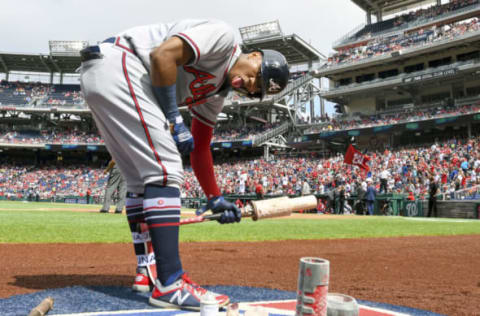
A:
x: 38, y: 63
x: 269, y: 35
x: 387, y: 7
x: 294, y: 48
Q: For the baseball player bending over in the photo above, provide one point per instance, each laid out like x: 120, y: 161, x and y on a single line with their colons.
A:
x: 133, y: 84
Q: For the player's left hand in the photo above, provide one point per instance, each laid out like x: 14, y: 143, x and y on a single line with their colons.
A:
x: 183, y: 138
x: 230, y: 212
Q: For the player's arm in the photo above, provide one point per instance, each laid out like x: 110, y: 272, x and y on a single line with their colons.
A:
x: 164, y: 61
x: 202, y: 165
x: 201, y: 158
x: 166, y: 58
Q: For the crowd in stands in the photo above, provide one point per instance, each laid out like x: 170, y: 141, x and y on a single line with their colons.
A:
x: 422, y: 15
x: 50, y: 137
x: 454, y: 165
x: 66, y: 98
x: 39, y: 94
x: 224, y: 132
x: 409, y: 115
x: 433, y: 11
x: 15, y: 93
x: 49, y: 182
x: 382, y: 45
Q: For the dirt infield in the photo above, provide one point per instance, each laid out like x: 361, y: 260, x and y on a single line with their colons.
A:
x: 441, y: 274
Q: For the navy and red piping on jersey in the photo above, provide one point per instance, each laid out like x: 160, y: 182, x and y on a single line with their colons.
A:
x: 140, y: 115
x: 117, y: 43
x: 193, y: 45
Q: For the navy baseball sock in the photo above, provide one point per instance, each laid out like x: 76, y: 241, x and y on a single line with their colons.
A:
x: 161, y: 206
x: 140, y: 233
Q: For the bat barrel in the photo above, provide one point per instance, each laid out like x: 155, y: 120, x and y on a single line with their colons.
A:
x: 282, y: 206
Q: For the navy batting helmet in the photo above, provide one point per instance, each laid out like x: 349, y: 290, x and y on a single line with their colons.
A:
x: 274, y: 72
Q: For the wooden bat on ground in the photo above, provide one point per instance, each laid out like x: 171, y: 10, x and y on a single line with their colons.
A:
x: 277, y: 207
x: 43, y: 308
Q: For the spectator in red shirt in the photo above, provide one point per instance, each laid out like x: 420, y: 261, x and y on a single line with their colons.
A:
x: 259, y: 191
x: 410, y: 196
x: 321, y: 207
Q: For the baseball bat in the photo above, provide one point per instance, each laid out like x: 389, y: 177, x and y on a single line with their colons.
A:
x: 43, y: 308
x: 277, y: 207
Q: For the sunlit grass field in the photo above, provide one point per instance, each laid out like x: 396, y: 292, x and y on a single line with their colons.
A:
x: 23, y: 222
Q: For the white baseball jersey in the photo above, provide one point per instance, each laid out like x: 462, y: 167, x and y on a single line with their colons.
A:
x: 118, y: 91
x: 215, y: 51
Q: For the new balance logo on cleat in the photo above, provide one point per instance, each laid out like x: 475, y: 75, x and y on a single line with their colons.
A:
x: 178, y: 297
x: 183, y: 294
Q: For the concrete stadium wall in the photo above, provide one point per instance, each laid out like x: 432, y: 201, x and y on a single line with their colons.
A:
x: 455, y: 209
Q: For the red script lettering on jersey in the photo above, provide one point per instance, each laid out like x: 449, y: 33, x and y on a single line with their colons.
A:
x: 199, y: 86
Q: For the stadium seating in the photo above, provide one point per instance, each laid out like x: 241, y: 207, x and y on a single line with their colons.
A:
x: 410, y: 20
x: 454, y: 162
x: 50, y: 137
x: 409, y: 167
x: 19, y: 181
x: 400, y: 115
x: 383, y: 45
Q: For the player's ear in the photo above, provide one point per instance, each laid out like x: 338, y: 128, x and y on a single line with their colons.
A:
x: 255, y: 55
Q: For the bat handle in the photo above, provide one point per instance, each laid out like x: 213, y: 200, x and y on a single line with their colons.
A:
x: 200, y: 219
x: 246, y: 212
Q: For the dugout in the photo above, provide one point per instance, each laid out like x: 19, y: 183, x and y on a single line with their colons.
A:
x: 388, y: 204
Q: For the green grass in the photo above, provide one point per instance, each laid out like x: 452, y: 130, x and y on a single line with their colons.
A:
x: 30, y: 223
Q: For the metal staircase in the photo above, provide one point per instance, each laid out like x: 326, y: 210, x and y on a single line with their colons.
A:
x: 270, y: 134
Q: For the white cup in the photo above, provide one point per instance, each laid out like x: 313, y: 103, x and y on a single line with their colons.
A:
x: 208, y: 306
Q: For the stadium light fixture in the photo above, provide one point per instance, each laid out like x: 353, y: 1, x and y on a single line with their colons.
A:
x: 259, y: 31
x: 66, y: 48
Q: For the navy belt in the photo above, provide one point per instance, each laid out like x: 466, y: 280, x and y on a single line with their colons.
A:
x: 93, y: 52
x: 110, y: 40
x: 134, y: 195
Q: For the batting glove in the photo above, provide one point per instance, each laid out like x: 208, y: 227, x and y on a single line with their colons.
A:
x: 230, y: 212
x: 182, y: 136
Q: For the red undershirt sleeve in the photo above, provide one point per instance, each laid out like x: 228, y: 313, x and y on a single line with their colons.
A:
x: 201, y: 158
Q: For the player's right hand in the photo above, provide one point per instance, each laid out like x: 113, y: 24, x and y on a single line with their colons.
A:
x: 230, y: 212
x: 182, y: 136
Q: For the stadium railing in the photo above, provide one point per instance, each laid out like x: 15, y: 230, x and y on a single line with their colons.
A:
x: 292, y: 86
x: 377, y: 82
x: 472, y: 193
x: 270, y: 134
x: 347, y: 38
